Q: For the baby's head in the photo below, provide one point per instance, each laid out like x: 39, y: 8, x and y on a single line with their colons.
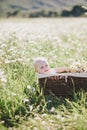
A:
x: 41, y: 65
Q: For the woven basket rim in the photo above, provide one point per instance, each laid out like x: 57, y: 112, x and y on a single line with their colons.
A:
x: 83, y: 75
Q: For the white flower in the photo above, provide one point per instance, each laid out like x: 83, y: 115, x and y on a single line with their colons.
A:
x: 3, y: 79
x: 29, y: 87
x: 2, y: 76
x: 58, y: 116
x: 30, y: 108
x: 25, y: 100
x: 52, y: 109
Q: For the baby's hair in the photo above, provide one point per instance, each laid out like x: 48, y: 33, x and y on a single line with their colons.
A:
x: 38, y: 60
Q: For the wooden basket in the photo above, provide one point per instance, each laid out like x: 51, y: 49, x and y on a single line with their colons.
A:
x: 69, y: 83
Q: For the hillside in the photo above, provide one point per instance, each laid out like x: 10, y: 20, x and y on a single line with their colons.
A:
x: 40, y: 4
x: 34, y: 5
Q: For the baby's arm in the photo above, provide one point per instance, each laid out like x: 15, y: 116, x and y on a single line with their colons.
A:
x: 60, y: 70
x: 63, y: 70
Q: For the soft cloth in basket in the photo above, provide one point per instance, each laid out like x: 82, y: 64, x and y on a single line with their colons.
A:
x: 69, y: 83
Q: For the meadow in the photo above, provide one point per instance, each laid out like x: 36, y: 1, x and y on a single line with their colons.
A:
x: 63, y: 41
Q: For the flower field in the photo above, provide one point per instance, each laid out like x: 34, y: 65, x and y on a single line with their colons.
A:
x: 63, y: 41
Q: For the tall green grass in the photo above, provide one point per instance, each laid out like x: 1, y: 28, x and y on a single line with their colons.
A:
x: 22, y: 102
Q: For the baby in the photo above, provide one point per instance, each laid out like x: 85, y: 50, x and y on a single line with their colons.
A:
x: 42, y: 67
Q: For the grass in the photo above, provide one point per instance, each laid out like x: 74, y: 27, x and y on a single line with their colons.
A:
x: 22, y: 104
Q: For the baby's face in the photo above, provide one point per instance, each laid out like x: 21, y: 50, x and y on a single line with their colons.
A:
x: 43, y: 68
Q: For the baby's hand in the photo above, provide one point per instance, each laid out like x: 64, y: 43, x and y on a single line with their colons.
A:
x: 62, y: 70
